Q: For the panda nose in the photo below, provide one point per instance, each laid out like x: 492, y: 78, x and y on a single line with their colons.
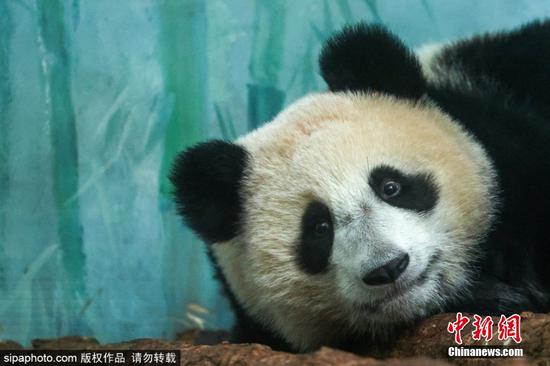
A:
x: 389, y: 272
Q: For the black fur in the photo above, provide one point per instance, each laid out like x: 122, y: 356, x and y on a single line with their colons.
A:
x: 517, y: 138
x: 315, y: 248
x: 207, y: 180
x: 517, y: 60
x: 418, y: 192
x: 369, y: 58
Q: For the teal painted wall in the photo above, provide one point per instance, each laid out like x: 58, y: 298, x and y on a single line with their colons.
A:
x: 96, y: 98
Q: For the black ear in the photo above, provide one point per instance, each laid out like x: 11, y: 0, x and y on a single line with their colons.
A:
x: 207, y: 180
x: 370, y: 58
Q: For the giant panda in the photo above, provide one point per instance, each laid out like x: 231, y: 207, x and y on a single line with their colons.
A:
x: 418, y: 183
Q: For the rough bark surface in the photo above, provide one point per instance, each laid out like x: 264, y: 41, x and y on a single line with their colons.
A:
x: 425, y: 345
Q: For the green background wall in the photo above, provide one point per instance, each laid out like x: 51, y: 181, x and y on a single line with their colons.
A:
x: 96, y: 98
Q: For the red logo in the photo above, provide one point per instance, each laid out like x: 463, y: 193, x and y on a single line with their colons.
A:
x: 457, y: 326
x: 483, y: 328
x: 508, y: 328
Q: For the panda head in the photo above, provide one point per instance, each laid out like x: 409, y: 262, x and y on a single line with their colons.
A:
x: 352, y: 210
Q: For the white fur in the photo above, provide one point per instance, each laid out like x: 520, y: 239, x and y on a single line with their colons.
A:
x: 324, y: 147
x: 452, y: 74
x: 427, y: 55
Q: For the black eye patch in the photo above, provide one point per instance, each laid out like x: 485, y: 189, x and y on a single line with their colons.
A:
x: 317, y: 235
x: 418, y: 192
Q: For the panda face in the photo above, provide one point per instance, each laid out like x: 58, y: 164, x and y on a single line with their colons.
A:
x: 352, y: 211
x: 359, y: 211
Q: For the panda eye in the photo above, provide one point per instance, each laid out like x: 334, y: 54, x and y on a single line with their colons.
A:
x: 417, y: 192
x: 322, y: 228
x: 316, y: 238
x: 390, y: 188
